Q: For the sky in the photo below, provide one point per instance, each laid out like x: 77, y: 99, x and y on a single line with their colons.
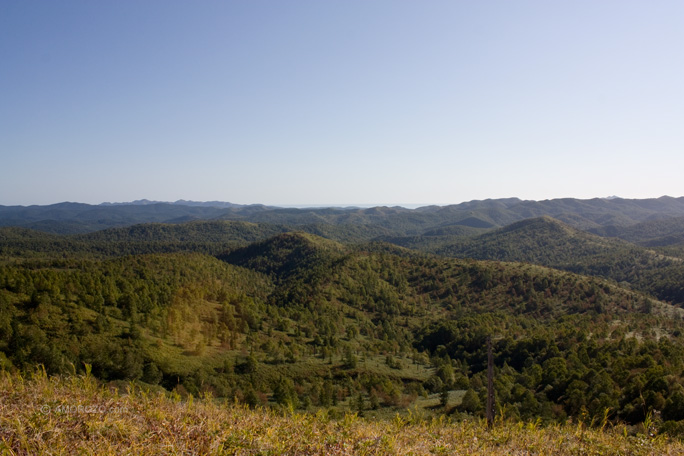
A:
x: 340, y: 102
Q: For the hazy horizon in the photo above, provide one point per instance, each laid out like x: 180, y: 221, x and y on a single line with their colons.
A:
x: 142, y: 201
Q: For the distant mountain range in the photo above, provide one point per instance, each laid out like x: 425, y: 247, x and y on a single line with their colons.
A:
x: 601, y: 215
x: 146, y: 202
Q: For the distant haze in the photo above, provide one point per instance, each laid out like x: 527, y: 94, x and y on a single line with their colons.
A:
x: 341, y: 103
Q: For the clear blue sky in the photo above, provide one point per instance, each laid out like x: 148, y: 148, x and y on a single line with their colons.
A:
x: 340, y: 102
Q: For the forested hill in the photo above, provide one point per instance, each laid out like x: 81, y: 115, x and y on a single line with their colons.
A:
x: 551, y: 243
x: 299, y: 321
x: 657, y: 270
x: 375, y: 311
x: 210, y: 237
x: 71, y: 218
x: 651, y: 233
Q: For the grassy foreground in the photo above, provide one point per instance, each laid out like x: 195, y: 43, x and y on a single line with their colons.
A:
x: 77, y: 415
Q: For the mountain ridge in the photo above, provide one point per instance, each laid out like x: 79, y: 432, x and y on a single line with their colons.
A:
x: 69, y: 218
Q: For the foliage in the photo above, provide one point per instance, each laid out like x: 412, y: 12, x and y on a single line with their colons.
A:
x: 76, y: 415
x: 301, y: 322
x: 548, y: 242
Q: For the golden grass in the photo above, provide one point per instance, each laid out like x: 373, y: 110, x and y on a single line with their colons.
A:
x: 76, y: 415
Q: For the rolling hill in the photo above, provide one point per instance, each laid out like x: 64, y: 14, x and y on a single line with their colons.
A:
x: 662, y: 232
x: 300, y: 321
x: 549, y: 242
x: 375, y: 310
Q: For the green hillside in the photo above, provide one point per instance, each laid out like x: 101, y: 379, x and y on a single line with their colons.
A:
x: 551, y: 243
x: 664, y: 235
x: 211, y: 237
x: 304, y: 322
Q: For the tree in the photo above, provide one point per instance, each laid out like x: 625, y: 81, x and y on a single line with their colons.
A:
x: 444, y: 397
x: 151, y: 374
x: 284, y: 393
x: 470, y: 402
x: 350, y: 360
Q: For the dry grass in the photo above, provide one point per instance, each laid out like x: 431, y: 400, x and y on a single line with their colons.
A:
x: 41, y: 415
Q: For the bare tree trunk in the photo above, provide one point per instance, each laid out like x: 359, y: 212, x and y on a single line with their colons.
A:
x: 490, y: 383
